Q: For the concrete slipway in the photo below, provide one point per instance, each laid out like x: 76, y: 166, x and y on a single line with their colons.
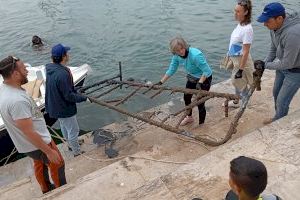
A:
x: 156, y: 164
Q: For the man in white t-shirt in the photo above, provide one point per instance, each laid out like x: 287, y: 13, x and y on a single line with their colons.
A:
x: 239, y: 50
x: 26, y: 125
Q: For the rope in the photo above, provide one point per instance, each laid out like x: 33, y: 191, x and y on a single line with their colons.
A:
x: 122, y: 157
x: 134, y: 157
x: 8, y: 157
x: 57, y: 135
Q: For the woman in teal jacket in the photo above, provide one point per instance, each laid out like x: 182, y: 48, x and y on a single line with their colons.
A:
x: 199, y: 73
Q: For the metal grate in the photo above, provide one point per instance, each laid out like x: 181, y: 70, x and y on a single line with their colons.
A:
x: 112, y: 85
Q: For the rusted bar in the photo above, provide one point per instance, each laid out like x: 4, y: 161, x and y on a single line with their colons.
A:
x: 128, y: 96
x: 94, y: 90
x: 193, y: 104
x: 148, y: 115
x: 165, y: 119
x: 107, y: 91
x: 98, y: 83
x: 181, y: 90
x: 149, y: 121
x: 149, y: 89
x: 120, y: 73
x: 157, y: 93
x: 205, y: 96
x: 113, y: 100
x: 226, y: 107
x: 233, y: 125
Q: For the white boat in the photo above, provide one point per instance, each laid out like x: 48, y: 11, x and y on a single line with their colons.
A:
x: 39, y: 73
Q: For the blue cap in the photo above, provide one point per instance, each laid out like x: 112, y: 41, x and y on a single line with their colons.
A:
x: 271, y: 10
x: 59, y: 50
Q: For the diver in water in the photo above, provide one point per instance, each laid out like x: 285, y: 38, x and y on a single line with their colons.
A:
x: 36, y: 41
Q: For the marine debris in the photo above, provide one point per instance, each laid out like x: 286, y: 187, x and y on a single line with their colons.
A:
x: 95, y: 92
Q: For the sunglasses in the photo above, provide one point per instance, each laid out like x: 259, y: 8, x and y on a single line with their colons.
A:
x: 242, y: 2
x: 12, y: 65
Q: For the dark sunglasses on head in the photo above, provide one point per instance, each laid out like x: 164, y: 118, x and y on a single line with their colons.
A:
x: 12, y: 65
x: 242, y: 2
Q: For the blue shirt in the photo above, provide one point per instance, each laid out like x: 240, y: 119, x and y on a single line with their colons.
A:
x: 195, y: 64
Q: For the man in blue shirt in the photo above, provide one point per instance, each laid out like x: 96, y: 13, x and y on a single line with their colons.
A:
x: 284, y: 55
x: 61, y: 96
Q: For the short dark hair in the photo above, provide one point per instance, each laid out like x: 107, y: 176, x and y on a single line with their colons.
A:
x: 249, y: 174
x: 36, y: 40
x: 247, y: 5
x: 58, y: 59
x: 7, y: 66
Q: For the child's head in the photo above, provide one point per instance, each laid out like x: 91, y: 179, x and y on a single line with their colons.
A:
x: 247, y: 177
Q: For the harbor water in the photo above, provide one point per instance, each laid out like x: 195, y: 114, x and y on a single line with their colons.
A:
x: 135, y: 32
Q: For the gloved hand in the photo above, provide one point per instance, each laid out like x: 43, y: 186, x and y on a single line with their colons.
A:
x: 88, y: 100
x: 158, y: 83
x: 199, y: 86
x: 259, y: 64
x: 238, y: 74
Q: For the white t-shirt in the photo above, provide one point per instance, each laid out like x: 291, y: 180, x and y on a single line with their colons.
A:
x: 16, y: 104
x: 239, y: 36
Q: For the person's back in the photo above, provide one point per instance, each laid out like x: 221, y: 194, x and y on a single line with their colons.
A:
x: 59, y: 89
x: 61, y: 97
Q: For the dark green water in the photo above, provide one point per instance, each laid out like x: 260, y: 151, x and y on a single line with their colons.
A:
x: 136, y: 32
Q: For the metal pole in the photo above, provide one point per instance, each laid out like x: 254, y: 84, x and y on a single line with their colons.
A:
x: 120, y: 73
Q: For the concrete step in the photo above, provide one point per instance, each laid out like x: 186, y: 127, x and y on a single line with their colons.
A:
x: 276, y: 145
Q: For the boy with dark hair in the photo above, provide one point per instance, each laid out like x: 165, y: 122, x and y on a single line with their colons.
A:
x: 248, y: 179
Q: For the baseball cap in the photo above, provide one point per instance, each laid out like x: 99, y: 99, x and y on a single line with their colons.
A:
x: 271, y: 10
x: 59, y: 50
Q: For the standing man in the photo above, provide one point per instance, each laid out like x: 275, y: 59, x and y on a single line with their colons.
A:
x: 26, y: 125
x: 61, y: 96
x: 284, y: 55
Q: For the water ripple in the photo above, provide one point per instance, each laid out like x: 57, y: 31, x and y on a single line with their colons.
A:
x: 103, y: 32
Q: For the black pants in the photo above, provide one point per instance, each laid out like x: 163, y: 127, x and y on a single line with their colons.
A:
x: 188, y: 97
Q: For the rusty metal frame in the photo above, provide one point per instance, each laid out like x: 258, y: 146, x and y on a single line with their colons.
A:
x: 200, y: 97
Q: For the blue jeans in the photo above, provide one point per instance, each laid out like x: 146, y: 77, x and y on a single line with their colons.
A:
x: 285, y: 87
x: 70, y: 130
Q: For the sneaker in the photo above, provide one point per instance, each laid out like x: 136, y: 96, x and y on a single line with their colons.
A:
x: 232, y: 104
x: 80, y: 142
x: 268, y: 121
x: 187, y: 120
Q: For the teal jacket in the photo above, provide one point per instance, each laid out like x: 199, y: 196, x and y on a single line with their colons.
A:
x: 195, y: 64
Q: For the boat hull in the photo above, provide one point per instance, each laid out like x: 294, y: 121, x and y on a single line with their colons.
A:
x: 6, y: 144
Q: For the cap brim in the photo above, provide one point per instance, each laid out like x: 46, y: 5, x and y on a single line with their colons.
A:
x: 67, y: 48
x: 262, y: 18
